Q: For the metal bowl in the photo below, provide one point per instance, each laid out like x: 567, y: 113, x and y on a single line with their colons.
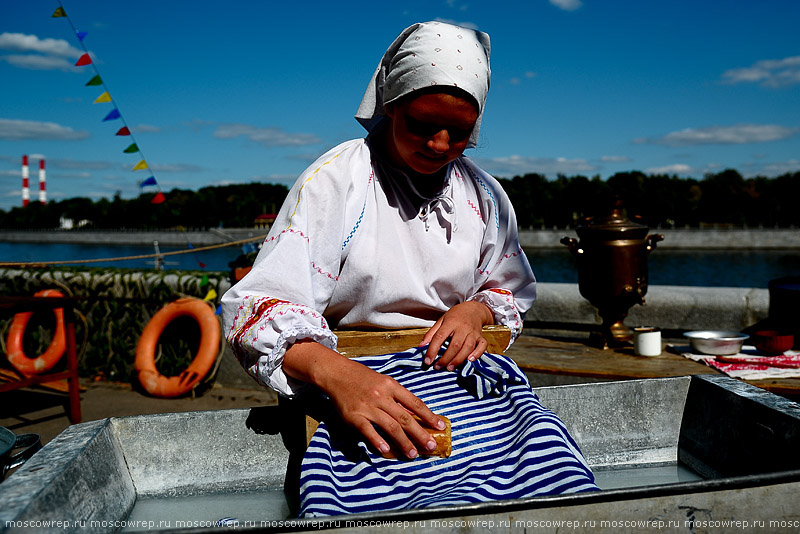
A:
x: 716, y: 342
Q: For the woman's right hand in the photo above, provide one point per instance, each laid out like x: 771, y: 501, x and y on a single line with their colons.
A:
x: 364, y: 398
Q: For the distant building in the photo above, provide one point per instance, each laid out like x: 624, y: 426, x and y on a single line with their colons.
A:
x: 265, y: 220
x: 68, y: 224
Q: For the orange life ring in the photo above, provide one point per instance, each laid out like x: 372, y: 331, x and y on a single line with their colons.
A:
x: 45, y: 361
x: 173, y: 386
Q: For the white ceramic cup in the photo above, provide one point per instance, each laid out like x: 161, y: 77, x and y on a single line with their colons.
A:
x: 647, y: 341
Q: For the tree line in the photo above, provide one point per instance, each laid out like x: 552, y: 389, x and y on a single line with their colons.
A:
x: 723, y: 198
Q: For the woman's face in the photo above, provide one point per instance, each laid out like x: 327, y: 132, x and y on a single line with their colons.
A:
x: 431, y: 130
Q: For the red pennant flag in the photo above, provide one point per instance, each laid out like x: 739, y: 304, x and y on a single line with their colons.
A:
x: 159, y: 198
x: 83, y: 60
x: 201, y: 264
x: 124, y: 131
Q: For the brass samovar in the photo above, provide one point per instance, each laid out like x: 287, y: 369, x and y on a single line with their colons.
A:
x: 612, y: 269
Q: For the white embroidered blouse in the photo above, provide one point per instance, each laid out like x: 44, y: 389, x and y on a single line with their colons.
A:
x: 356, y: 245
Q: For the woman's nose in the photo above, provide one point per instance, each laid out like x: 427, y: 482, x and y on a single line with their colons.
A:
x: 440, y: 142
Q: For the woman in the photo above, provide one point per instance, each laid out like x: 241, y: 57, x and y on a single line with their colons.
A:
x: 392, y: 231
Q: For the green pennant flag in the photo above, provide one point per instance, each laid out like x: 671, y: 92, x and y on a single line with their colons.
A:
x: 59, y: 12
x: 131, y: 149
x: 95, y: 81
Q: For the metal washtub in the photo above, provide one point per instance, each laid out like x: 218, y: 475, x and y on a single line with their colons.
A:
x: 701, y: 449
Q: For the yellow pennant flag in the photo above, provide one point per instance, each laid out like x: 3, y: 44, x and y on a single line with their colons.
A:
x: 59, y: 12
x: 105, y: 97
x: 211, y: 295
x: 139, y: 166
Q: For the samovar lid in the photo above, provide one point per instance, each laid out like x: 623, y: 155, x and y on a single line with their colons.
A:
x: 613, y: 226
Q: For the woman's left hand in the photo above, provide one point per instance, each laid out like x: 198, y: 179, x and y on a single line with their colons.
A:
x: 462, y: 325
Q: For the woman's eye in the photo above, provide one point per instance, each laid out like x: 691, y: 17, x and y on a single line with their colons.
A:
x: 457, y: 134
x: 423, y: 129
x: 427, y: 129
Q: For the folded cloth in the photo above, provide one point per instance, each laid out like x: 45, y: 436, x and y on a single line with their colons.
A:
x: 505, y: 445
x: 749, y: 364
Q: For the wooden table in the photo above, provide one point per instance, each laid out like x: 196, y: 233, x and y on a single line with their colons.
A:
x: 13, y: 305
x: 576, y: 357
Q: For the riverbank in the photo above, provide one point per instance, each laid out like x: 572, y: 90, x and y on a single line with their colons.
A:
x: 674, y: 238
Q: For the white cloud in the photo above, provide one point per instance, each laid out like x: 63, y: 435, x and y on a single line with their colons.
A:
x: 615, y: 159
x: 37, y: 62
x: 71, y: 164
x: 529, y: 75
x: 267, y: 137
x: 675, y: 168
x: 567, y: 5
x: 519, y: 165
x: 768, y: 72
x: 38, y: 54
x: 175, y: 167
x: 146, y: 128
x: 737, y: 134
x: 19, y: 42
x: 18, y: 130
x: 771, y: 170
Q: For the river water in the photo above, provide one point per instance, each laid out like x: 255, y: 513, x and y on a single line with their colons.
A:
x: 729, y: 268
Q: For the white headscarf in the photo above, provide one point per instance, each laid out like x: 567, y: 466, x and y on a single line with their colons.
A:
x: 429, y: 54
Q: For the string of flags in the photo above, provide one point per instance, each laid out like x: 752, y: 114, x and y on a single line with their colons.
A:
x: 115, y: 114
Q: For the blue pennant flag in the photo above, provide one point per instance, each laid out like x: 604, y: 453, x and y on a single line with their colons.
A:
x: 80, y: 35
x: 149, y: 181
x: 113, y: 114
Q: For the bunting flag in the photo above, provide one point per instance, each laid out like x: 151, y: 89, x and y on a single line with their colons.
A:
x: 112, y: 115
x: 133, y: 148
x: 211, y: 295
x: 105, y: 97
x: 204, y: 280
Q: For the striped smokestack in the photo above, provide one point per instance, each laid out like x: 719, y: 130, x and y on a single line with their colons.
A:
x: 26, y: 194
x: 42, y: 184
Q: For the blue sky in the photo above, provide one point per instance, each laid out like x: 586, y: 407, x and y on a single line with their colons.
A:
x: 241, y: 91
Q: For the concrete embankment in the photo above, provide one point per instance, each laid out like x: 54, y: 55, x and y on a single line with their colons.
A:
x: 687, y: 238
x: 668, y: 307
x: 674, y: 238
x: 172, y: 238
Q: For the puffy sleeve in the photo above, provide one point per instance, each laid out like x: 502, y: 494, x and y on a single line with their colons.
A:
x: 281, y: 300
x: 504, y: 280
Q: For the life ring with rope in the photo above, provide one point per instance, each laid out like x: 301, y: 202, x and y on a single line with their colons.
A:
x: 45, y: 361
x: 154, y: 382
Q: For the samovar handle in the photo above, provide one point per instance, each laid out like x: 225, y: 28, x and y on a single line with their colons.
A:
x: 572, y: 245
x: 651, y: 241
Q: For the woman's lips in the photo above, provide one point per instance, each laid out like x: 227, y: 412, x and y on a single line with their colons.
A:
x: 433, y: 158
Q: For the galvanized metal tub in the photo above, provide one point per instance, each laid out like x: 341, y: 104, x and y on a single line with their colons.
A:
x: 678, y: 454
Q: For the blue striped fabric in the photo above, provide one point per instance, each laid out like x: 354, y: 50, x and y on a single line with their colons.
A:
x: 506, y: 445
